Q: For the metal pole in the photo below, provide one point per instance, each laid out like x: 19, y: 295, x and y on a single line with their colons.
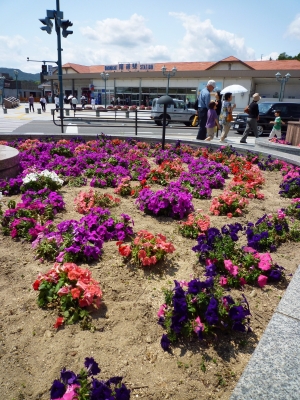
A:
x: 105, y: 91
x: 61, y: 97
x: 168, y: 83
x: 164, y: 128
x: 17, y: 85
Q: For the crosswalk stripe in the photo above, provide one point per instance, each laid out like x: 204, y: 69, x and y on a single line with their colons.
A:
x: 9, y: 125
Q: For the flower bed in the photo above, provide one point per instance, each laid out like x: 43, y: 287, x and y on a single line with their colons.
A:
x: 206, y: 319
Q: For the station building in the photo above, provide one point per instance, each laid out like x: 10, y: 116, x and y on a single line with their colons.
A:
x: 137, y: 84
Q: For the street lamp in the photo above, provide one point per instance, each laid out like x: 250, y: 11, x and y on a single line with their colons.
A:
x: 283, y: 80
x: 168, y: 75
x: 16, y: 75
x: 2, y: 81
x: 104, y: 77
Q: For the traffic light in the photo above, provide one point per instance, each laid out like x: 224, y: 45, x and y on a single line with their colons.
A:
x: 65, y: 24
x: 49, y: 25
x: 44, y: 70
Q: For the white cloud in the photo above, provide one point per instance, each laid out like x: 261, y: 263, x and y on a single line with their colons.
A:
x: 116, y: 32
x: 203, y: 42
x: 294, y: 28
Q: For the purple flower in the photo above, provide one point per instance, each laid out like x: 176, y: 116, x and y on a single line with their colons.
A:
x: 165, y: 342
x: 57, y: 390
x: 68, y: 377
x: 211, y: 314
x: 91, y: 366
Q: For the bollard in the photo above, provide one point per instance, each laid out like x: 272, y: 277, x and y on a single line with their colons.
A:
x: 5, y: 110
x: 67, y: 112
x: 52, y: 111
x: 97, y: 113
x: 26, y: 110
x: 39, y: 111
x: 127, y: 114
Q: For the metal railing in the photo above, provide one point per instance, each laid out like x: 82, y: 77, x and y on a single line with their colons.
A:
x: 107, y: 118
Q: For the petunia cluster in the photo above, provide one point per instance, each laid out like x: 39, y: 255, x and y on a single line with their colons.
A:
x: 232, y: 265
x: 86, y: 200
x: 198, y: 308
x: 196, y: 223
x: 84, y: 386
x: 40, y: 180
x: 82, y: 240
x: 173, y: 201
x: 146, y: 248
x: 69, y: 289
x: 228, y: 203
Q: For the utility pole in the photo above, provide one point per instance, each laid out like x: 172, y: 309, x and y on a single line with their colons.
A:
x: 60, y: 24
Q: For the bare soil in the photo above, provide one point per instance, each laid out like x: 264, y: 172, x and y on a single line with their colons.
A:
x: 126, y: 341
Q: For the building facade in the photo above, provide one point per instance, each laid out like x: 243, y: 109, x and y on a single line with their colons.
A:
x: 135, y: 83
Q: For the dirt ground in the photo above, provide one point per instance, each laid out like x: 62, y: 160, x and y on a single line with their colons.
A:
x: 126, y: 341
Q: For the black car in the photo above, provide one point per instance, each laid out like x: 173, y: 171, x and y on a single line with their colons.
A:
x: 288, y: 112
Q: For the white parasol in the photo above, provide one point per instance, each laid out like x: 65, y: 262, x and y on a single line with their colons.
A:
x: 234, y: 89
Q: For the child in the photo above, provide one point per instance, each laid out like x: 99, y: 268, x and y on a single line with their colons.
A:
x: 212, y: 120
x: 277, y: 126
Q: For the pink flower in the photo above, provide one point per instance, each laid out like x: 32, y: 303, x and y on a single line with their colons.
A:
x: 162, y: 310
x: 198, y: 326
x: 243, y: 281
x: 223, y: 281
x: 229, y: 215
x: 262, y: 280
x: 64, y: 290
x: 265, y: 261
x: 232, y: 269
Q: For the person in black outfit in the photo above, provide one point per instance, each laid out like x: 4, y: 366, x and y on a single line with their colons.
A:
x: 252, y: 118
x: 218, y: 100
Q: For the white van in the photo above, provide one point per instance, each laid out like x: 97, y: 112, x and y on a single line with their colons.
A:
x: 177, y: 112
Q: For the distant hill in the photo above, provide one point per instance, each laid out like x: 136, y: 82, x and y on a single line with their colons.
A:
x: 22, y: 76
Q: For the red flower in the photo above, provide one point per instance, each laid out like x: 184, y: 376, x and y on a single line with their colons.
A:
x: 36, y: 285
x: 59, y: 322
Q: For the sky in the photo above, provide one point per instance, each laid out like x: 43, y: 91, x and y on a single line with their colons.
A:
x: 116, y: 31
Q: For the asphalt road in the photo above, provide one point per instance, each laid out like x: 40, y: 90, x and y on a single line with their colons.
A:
x: 87, y: 127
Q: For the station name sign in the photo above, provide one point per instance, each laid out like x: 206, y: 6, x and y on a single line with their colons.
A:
x: 121, y: 67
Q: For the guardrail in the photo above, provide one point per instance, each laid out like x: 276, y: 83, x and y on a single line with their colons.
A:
x: 101, y: 118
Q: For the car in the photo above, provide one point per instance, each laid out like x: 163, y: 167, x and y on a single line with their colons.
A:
x: 177, y: 112
x: 288, y: 112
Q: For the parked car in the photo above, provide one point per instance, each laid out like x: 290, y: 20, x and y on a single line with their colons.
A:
x: 289, y: 112
x: 177, y: 112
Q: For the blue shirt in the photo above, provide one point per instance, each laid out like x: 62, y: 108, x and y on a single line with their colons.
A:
x: 204, y: 98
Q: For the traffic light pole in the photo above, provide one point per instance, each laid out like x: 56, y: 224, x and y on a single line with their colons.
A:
x: 61, y: 92
x: 60, y: 23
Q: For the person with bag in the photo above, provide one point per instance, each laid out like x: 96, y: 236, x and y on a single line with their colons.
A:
x: 226, y: 115
x: 212, y: 120
x: 218, y: 97
x: 252, y: 118
x: 203, y: 102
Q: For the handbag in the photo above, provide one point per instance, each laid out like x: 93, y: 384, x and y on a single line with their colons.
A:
x: 195, y: 120
x: 229, y: 117
x: 246, y: 110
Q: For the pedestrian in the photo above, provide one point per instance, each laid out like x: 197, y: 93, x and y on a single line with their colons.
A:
x: 31, y: 102
x: 43, y: 103
x: 113, y: 101
x: 218, y: 100
x: 56, y: 101
x: 212, y: 120
x: 277, y: 126
x: 226, y: 115
x: 118, y: 101
x: 65, y: 99
x: 252, y: 118
x: 82, y: 101
x: 203, y: 102
x: 93, y: 102
x: 74, y: 102
x: 187, y: 103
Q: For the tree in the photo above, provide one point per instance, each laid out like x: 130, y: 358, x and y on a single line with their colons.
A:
x: 284, y: 56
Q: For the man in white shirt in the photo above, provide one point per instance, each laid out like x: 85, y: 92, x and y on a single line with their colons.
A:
x: 74, y: 102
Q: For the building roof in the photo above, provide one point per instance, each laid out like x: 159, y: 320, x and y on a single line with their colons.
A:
x: 263, y: 65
